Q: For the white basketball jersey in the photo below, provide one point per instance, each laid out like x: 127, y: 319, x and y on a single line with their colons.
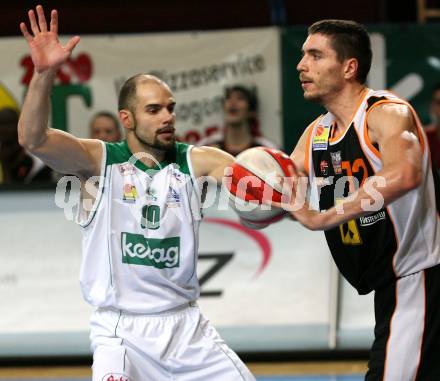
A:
x: 140, y: 240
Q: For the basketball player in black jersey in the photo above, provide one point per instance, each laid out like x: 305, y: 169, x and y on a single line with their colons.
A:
x: 377, y: 198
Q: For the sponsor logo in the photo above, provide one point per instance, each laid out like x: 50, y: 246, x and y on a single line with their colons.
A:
x: 319, y: 131
x: 173, y: 197
x: 126, y: 169
x: 162, y: 253
x: 370, y: 220
x: 320, y: 140
x: 130, y: 193
x: 336, y: 162
x: 350, y: 234
x: 115, y: 377
x: 324, y: 167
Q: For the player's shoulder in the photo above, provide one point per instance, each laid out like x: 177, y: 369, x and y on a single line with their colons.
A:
x: 385, y: 101
x: 389, y: 111
x: 389, y: 118
x: 118, y: 152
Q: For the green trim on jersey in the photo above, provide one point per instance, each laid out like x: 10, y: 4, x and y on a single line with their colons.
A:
x: 117, y: 153
x: 120, y: 153
x: 181, y: 152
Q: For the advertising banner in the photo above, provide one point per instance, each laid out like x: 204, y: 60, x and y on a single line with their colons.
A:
x: 198, y: 66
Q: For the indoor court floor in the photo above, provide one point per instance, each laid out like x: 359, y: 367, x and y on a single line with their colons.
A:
x: 297, y: 371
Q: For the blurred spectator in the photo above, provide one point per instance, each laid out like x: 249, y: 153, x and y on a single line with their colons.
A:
x: 104, y: 125
x: 241, y: 128
x: 433, y: 130
x: 16, y: 165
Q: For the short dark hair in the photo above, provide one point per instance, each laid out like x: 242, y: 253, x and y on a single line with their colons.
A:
x: 127, y: 94
x: 350, y: 40
x: 249, y: 94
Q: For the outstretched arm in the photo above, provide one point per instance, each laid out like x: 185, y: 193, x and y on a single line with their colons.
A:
x: 59, y: 150
x: 210, y: 161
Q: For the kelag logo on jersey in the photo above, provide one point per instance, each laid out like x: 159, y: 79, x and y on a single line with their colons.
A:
x: 160, y: 253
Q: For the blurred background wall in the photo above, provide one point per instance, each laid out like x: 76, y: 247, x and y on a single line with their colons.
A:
x: 133, y: 16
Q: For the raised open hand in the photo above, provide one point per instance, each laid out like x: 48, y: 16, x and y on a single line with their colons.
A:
x: 46, y: 49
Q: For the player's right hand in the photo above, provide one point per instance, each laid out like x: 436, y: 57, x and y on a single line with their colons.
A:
x: 46, y: 49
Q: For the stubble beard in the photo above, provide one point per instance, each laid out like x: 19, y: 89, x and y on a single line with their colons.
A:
x: 323, y: 95
x: 156, y: 144
x: 314, y: 98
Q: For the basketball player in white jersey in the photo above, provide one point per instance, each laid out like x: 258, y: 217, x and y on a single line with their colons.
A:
x: 140, y: 238
x: 383, y: 232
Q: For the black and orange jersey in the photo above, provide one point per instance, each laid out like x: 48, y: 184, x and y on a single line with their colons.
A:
x: 391, y: 241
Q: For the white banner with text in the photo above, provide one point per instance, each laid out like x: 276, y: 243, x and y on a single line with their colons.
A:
x: 198, y: 66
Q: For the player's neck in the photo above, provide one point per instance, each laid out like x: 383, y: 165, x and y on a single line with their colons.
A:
x: 145, y: 153
x: 345, y: 104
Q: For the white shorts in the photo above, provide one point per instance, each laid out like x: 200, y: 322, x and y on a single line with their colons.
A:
x: 180, y: 345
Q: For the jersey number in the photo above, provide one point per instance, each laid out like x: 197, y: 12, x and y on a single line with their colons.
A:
x: 150, y: 217
x: 349, y: 231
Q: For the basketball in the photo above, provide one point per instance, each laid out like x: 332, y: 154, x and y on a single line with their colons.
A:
x: 257, y: 177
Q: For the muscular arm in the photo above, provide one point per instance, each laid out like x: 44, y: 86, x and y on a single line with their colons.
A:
x: 60, y: 150
x: 210, y: 161
x: 392, y: 127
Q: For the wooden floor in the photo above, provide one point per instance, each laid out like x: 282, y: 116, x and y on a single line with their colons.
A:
x: 302, y: 368
x: 259, y: 369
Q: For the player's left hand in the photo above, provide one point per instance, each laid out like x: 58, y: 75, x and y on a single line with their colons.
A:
x: 45, y: 48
